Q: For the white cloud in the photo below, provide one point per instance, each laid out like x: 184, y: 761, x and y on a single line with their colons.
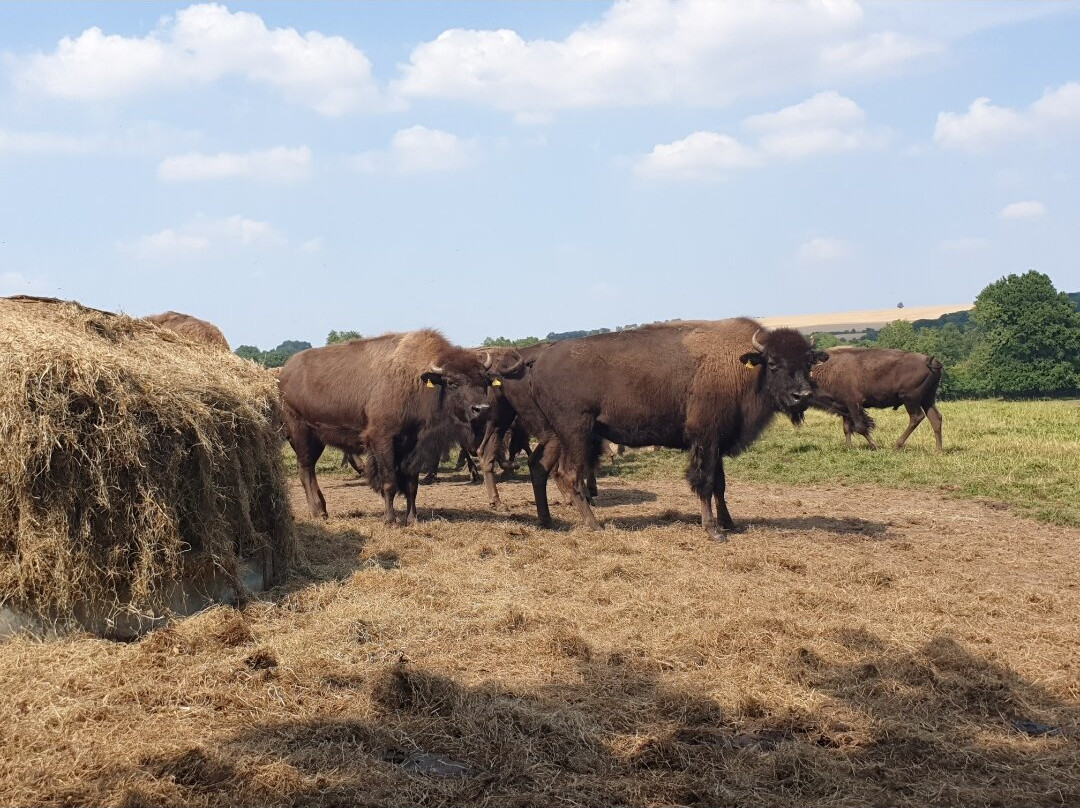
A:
x: 702, y: 155
x: 278, y: 165
x: 1028, y: 209
x: 200, y: 45
x: 203, y: 235
x: 964, y: 244
x: 824, y: 250
x: 647, y: 52
x: 986, y: 126
x: 827, y: 123
x: 312, y: 245
x: 417, y: 150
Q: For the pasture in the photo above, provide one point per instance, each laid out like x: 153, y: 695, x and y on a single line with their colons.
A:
x: 887, y: 628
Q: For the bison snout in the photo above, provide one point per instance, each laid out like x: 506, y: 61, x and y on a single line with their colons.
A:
x: 802, y: 396
x: 476, y: 410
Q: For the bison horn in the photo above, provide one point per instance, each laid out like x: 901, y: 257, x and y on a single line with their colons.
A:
x: 487, y: 360
x: 754, y: 341
x: 436, y: 369
x: 514, y: 368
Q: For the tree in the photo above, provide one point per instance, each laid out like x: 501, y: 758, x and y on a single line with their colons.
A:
x: 342, y: 336
x: 825, y: 340
x: 249, y: 352
x: 1028, y: 338
x: 898, y: 334
x: 503, y: 342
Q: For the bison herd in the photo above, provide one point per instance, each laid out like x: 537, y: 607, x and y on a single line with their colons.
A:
x: 707, y: 387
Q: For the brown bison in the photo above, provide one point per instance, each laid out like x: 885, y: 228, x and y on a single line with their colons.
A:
x: 709, y: 387
x: 857, y: 378
x: 401, y: 398
x: 191, y: 328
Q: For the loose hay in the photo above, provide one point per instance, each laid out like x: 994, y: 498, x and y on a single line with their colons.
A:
x: 130, y: 460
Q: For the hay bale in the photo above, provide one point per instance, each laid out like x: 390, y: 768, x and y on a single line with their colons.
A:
x: 131, y: 460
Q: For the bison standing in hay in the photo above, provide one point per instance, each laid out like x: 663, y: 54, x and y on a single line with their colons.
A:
x: 857, y: 378
x: 191, y: 328
x: 133, y: 464
x: 709, y: 387
x: 401, y: 398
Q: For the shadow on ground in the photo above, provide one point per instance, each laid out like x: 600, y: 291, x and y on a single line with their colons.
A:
x: 937, y: 725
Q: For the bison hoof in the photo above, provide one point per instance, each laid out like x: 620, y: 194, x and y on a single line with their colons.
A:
x: 501, y: 507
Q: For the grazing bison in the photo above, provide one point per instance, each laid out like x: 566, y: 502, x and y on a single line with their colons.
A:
x: 402, y: 398
x: 857, y: 378
x: 709, y: 387
x: 191, y: 328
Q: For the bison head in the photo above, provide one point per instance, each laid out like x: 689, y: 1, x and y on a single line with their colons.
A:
x: 503, y: 363
x: 463, y: 378
x: 784, y: 357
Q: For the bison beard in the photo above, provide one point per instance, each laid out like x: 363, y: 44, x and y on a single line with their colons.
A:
x: 709, y: 387
x: 401, y: 397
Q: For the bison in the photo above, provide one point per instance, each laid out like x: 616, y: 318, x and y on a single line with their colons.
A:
x: 191, y: 328
x: 857, y: 378
x: 709, y: 387
x: 401, y: 398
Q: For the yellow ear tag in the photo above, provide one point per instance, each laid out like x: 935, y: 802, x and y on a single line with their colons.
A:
x: 749, y: 364
x: 430, y: 383
x: 496, y: 383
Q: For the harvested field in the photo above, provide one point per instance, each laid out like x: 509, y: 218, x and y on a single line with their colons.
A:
x: 853, y: 646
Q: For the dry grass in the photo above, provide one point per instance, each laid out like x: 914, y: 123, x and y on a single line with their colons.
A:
x: 854, y: 646
x: 130, y: 458
x: 866, y: 318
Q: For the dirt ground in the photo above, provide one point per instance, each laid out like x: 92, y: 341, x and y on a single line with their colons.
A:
x: 851, y: 646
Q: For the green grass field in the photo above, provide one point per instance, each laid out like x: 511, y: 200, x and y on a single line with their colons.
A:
x: 1023, y: 453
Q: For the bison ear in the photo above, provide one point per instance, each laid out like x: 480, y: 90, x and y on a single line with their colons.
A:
x: 819, y: 356
x: 430, y: 378
x: 751, y: 359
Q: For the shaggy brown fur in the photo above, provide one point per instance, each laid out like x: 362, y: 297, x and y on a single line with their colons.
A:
x: 402, y: 398
x: 856, y: 378
x: 191, y: 328
x: 700, y: 386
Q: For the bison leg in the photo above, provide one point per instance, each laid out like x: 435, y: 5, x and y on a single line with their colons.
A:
x: 308, y: 449
x: 474, y: 468
x: 863, y: 424
x: 489, y: 449
x: 409, y: 483
x: 702, y: 476
x: 543, y: 459
x: 352, y: 460
x: 915, y: 417
x: 849, y: 428
x: 719, y: 488
x: 384, y: 478
x: 935, y: 421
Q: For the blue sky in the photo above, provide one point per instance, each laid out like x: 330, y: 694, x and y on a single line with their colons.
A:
x: 515, y: 168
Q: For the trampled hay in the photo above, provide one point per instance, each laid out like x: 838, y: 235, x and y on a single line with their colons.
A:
x: 853, y: 646
x: 130, y: 459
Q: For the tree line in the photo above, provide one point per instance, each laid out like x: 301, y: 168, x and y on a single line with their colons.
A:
x: 1021, y: 340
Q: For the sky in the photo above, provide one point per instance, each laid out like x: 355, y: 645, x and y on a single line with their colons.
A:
x: 516, y: 168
